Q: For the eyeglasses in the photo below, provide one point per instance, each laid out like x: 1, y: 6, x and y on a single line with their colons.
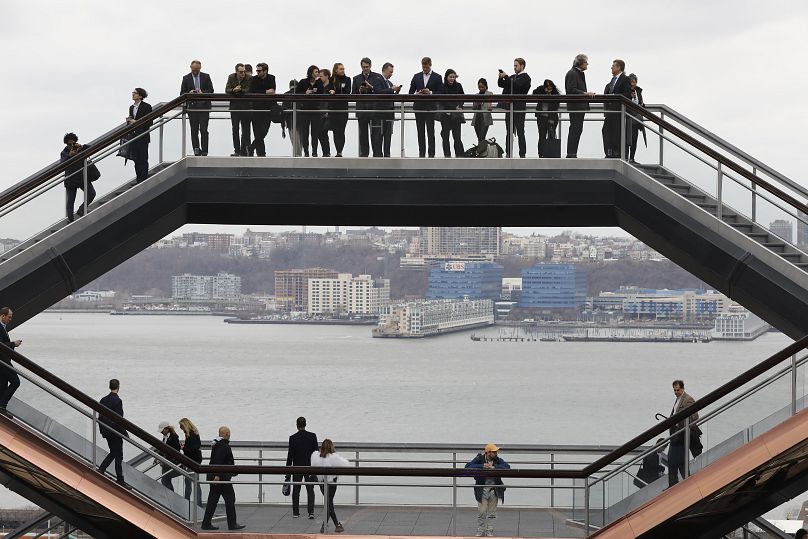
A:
x: 242, y: 71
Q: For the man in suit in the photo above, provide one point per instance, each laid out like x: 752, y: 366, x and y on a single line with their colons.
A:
x: 197, y: 82
x: 575, y: 84
x: 382, y: 127
x: 619, y: 85
x: 516, y: 84
x: 140, y: 147
x: 365, y: 83
x: 9, y: 381
x: 426, y: 83
x: 676, y: 451
x: 238, y: 84
x: 263, y: 83
x: 113, y: 432
x: 221, y: 455
x: 301, y: 445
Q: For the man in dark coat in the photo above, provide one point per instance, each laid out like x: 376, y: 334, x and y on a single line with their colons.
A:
x: 221, y: 455
x: 365, y: 83
x: 301, y: 445
x: 9, y: 381
x: 74, y: 176
x: 197, y: 82
x: 263, y: 83
x: 619, y: 85
x: 489, y: 490
x: 426, y: 82
x: 575, y: 84
x: 113, y: 432
x: 516, y: 84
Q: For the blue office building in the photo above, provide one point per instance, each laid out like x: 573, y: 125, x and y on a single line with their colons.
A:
x: 553, y: 286
x: 455, y: 280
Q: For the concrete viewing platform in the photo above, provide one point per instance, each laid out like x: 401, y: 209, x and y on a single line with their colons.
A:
x: 377, y: 520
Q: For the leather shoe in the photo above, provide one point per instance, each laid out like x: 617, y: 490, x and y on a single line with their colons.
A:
x: 209, y: 527
x: 237, y: 527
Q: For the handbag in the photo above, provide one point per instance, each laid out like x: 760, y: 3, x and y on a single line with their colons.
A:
x: 125, y: 151
x: 92, y: 172
x: 286, y: 489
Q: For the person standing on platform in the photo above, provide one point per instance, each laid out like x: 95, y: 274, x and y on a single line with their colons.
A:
x: 322, y: 133
x: 197, y: 82
x: 516, y: 84
x: 338, y: 110
x: 288, y: 120
x: 301, y: 446
x: 113, y: 432
x: 363, y: 84
x: 452, y: 116
x: 192, y: 447
x: 676, y: 450
x: 546, y: 115
x: 619, y: 85
x: 139, y: 148
x: 238, y: 84
x: 634, y: 126
x: 221, y: 455
x: 263, y: 83
x: 9, y: 380
x: 171, y: 439
x: 382, y: 128
x: 575, y: 84
x: 328, y: 457
x: 482, y: 117
x: 426, y: 83
x: 308, y: 118
x: 74, y: 176
x: 489, y: 490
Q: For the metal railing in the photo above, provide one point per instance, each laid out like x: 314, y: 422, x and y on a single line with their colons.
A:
x: 781, y: 365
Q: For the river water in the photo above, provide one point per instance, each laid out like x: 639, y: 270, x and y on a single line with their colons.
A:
x: 258, y: 378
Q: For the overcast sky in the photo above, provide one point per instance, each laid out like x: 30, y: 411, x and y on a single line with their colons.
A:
x: 735, y: 67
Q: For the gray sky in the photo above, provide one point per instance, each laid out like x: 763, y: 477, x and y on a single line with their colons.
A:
x: 735, y: 67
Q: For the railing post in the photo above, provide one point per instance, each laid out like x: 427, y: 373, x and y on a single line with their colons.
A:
x: 260, y: 477
x: 356, y: 489
x: 719, y: 182
x: 794, y: 384
x: 661, y: 140
x: 95, y: 428
x: 687, y: 447
x: 160, y: 153
x: 510, y: 130
x: 754, y: 198
x: 325, y: 504
x: 454, y: 495
x: 401, y: 114
x: 552, y: 480
x: 623, y: 131
x: 586, y: 506
x: 295, y: 141
x: 184, y: 130
x: 195, y: 500
x: 86, y: 209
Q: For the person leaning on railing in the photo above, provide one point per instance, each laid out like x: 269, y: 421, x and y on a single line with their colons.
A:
x: 575, y: 84
x: 546, y: 116
x: 308, y: 122
x: 238, y: 84
x: 619, y: 85
x: 489, y: 491
x: 74, y: 176
x: 263, y: 83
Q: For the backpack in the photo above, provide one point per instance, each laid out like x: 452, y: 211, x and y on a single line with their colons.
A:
x: 489, y: 148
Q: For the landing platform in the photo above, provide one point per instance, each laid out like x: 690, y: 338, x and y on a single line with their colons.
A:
x: 277, y: 521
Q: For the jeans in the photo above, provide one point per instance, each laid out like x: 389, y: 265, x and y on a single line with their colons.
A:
x: 199, y: 125
x: 166, y: 480
x: 71, y: 199
x: 332, y: 490
x: 486, y: 507
x: 480, y: 129
x: 188, y: 486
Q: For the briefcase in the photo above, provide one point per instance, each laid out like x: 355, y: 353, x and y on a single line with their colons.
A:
x: 552, y: 147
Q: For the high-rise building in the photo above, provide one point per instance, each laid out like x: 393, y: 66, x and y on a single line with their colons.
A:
x: 456, y: 280
x: 362, y: 295
x: 783, y: 228
x: 553, y: 286
x: 206, y: 287
x: 457, y: 241
x: 292, y: 286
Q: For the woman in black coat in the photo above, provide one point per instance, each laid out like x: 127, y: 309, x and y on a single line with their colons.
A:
x: 340, y: 84
x: 633, y: 126
x: 139, y: 148
x: 74, y: 176
x: 192, y: 447
x: 451, y: 117
x: 308, y: 121
x: 171, y: 439
x: 546, y: 114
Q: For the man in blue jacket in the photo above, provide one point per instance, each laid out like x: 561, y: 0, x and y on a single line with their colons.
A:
x: 489, y: 490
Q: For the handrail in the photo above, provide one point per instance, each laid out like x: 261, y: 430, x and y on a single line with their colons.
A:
x: 582, y: 473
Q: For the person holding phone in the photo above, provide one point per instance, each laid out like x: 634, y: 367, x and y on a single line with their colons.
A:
x: 516, y: 84
x: 426, y: 83
x: 74, y: 176
x: 308, y: 121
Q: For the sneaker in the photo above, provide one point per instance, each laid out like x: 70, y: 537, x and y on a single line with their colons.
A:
x: 478, y: 534
x: 311, y: 516
x: 296, y: 516
x: 489, y: 533
x: 339, y: 527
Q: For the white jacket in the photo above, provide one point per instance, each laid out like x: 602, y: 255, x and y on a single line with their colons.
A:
x: 332, y: 460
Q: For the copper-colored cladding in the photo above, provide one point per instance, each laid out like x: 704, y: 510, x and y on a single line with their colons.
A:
x: 711, y: 480
x: 75, y: 475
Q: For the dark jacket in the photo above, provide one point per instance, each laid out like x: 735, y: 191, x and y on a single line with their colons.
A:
x: 549, y: 115
x: 516, y: 84
x: 341, y: 86
x: 306, y: 84
x: 221, y: 455
x: 575, y: 84
x: 172, y: 441
x: 74, y: 175
x: 114, y: 403
x: 193, y: 447
x: 232, y: 82
x: 621, y: 87
x: 260, y: 86
x: 142, y: 111
x: 301, y: 445
x: 386, y: 107
x: 205, y: 86
x: 373, y: 79
x: 287, y: 114
x: 477, y: 464
x: 6, y: 340
x: 435, y: 83
x: 449, y: 106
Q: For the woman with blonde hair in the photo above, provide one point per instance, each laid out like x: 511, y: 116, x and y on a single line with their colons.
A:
x: 328, y: 457
x: 192, y: 447
x: 340, y: 84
